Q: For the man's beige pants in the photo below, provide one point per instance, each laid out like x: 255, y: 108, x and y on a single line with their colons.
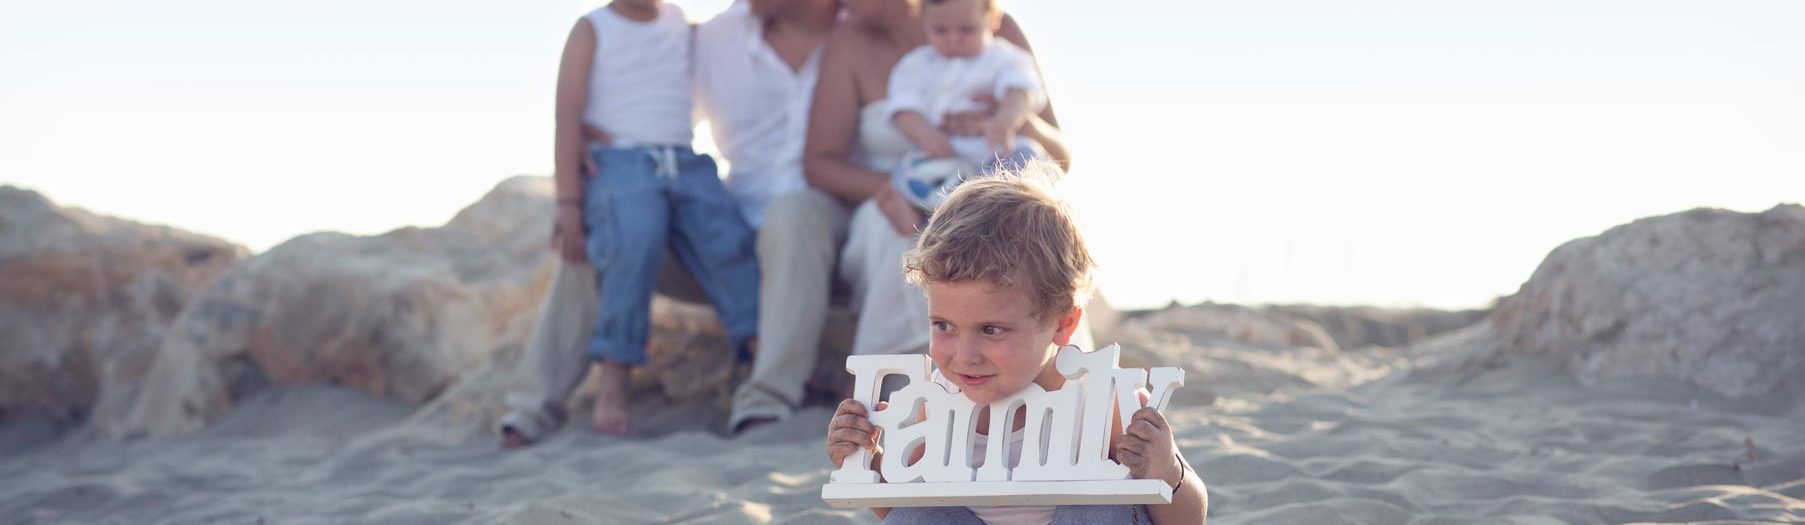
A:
x: 797, y: 248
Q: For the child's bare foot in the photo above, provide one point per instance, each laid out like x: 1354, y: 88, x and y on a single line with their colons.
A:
x: 610, y: 415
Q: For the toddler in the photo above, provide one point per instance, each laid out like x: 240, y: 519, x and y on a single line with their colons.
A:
x: 962, y: 61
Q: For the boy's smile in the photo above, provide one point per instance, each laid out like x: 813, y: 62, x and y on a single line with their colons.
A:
x: 985, y: 339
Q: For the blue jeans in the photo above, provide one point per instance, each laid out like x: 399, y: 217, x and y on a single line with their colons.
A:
x: 642, y: 201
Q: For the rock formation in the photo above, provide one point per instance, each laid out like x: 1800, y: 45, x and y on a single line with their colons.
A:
x: 1711, y: 297
x: 84, y: 298
x: 419, y: 314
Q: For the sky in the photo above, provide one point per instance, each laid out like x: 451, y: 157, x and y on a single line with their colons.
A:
x: 1399, y: 153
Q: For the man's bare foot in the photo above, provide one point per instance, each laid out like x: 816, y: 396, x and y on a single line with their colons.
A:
x: 512, y: 439
x: 610, y: 415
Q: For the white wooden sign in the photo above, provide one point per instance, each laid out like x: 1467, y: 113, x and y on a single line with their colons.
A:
x: 1071, y: 467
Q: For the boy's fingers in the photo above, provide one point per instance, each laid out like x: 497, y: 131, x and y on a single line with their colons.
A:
x: 1129, y: 458
x: 851, y: 406
x: 849, y: 435
x: 1142, y: 429
x: 1152, y: 417
x: 851, y: 422
x: 1134, y: 444
x: 883, y: 405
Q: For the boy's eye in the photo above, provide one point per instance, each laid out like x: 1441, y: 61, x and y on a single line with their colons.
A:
x: 991, y: 329
x: 942, y: 326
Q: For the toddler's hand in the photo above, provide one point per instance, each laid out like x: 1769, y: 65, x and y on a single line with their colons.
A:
x: 970, y: 123
x: 1000, y: 137
x: 1146, y: 448
x: 851, y: 430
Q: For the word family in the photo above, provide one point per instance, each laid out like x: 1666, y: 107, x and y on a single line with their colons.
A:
x: 1064, y: 456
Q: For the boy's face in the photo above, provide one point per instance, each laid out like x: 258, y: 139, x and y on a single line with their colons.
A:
x: 986, y: 340
x: 958, y: 28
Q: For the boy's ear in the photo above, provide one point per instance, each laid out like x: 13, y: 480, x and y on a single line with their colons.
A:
x: 1068, y: 324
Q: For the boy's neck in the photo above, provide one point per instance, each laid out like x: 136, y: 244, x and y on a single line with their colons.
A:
x: 636, y: 11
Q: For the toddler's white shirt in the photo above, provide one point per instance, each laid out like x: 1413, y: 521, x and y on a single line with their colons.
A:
x: 932, y: 84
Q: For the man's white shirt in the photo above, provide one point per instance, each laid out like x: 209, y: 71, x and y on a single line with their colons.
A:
x: 756, y: 105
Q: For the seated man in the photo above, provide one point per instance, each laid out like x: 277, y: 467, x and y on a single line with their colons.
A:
x: 757, y: 108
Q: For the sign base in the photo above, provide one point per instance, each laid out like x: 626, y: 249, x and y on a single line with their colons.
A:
x: 995, y: 493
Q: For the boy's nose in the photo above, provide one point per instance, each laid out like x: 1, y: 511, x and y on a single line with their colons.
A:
x: 965, y: 351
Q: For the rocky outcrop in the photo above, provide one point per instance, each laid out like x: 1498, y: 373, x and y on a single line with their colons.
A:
x: 401, y: 315
x: 1710, y: 297
x: 433, y: 316
x: 85, y: 298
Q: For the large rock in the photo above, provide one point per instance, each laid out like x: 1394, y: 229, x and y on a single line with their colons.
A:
x: 1711, y: 297
x: 401, y: 315
x: 85, y: 298
x: 433, y: 316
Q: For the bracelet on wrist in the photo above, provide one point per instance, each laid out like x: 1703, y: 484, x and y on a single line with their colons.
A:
x: 1184, y: 471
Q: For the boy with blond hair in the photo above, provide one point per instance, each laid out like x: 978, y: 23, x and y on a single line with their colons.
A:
x: 1006, y: 273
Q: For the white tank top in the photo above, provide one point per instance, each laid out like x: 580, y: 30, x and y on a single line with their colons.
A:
x: 639, y: 85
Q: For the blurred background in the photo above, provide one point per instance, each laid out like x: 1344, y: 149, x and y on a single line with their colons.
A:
x: 1400, y: 153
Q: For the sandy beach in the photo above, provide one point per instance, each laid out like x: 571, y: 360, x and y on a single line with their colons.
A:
x: 1658, y: 386
x: 1281, y: 435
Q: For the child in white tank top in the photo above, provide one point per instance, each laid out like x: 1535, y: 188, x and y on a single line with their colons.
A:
x: 651, y: 193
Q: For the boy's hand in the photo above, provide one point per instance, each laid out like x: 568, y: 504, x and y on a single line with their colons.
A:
x: 1146, y: 448
x: 567, y: 234
x: 851, y: 430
